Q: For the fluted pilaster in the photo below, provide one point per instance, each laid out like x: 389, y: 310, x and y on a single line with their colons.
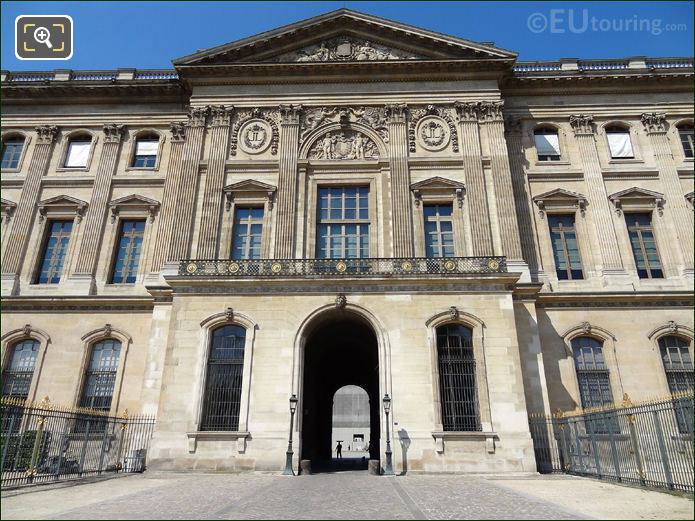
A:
x: 96, y: 215
x: 187, y: 187
x: 400, y: 181
x: 287, y: 181
x: 599, y: 206
x: 167, y: 214
x: 18, y: 235
x: 676, y: 205
x: 491, y: 116
x: 479, y: 216
x: 522, y: 195
x: 220, y: 120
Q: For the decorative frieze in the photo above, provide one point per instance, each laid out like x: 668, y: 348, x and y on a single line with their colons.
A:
x: 654, y: 122
x: 582, y: 124
x: 372, y: 117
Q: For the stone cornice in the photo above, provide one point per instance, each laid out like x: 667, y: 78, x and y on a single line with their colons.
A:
x: 56, y: 303
x: 616, y: 299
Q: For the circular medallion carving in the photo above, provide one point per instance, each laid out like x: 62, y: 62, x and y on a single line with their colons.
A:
x: 450, y: 265
x: 406, y: 266
x: 493, y: 264
x: 233, y: 267
x: 191, y: 268
x: 340, y: 267
x: 254, y: 136
x: 276, y: 268
x: 433, y: 133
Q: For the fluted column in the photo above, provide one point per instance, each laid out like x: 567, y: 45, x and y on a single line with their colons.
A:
x: 167, y: 213
x: 491, y: 116
x: 220, y: 119
x: 476, y: 192
x: 676, y: 205
x: 400, y: 181
x: 187, y: 188
x: 18, y: 235
x: 287, y: 181
x: 599, y: 206
x: 96, y: 215
x: 522, y: 194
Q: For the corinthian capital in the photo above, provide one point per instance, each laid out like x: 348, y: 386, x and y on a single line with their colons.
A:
x: 396, y: 112
x: 582, y: 124
x: 178, y: 131
x: 290, y: 114
x: 46, y: 134
x: 197, y: 116
x: 113, y: 133
x: 221, y: 116
x: 490, y: 111
x: 654, y: 122
x: 467, y: 110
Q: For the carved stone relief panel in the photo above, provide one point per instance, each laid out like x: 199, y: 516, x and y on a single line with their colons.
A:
x: 255, y: 131
x: 372, y: 117
x: 344, y: 144
x: 255, y: 136
x: 432, y: 128
x: 342, y: 49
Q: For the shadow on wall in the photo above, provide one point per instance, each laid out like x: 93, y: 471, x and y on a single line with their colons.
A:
x: 554, y: 352
x: 404, y: 440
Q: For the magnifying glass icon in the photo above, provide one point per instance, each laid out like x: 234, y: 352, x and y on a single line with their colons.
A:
x: 42, y: 35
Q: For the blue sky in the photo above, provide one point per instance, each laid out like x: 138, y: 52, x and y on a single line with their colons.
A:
x: 150, y: 34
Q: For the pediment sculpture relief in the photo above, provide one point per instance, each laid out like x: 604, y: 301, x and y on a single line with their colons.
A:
x: 345, y: 49
x: 344, y: 144
x: 372, y: 117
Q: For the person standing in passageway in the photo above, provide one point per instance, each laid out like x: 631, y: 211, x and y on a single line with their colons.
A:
x: 339, y: 451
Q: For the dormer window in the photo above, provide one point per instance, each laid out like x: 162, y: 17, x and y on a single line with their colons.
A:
x: 547, y: 144
x: 146, y: 147
x: 685, y: 133
x: 77, y: 154
x: 619, y: 142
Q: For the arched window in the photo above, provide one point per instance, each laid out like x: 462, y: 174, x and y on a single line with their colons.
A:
x: 685, y: 133
x: 547, y: 144
x: 678, y: 365
x: 12, y: 151
x: 146, y: 147
x: 77, y: 153
x: 16, y: 378
x: 100, y: 375
x: 592, y: 374
x: 223, y: 380
x: 457, y: 385
x: 619, y: 142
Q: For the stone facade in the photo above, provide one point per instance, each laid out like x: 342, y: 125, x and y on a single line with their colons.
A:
x: 347, y: 99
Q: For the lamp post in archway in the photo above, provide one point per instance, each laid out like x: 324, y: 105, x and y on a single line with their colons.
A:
x: 388, y: 467
x: 288, y: 462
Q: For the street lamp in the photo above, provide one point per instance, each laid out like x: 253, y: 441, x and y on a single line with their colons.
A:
x: 388, y: 468
x: 288, y: 462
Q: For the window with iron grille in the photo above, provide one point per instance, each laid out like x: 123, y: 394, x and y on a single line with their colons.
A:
x: 439, y: 230
x: 100, y: 376
x: 685, y: 132
x: 594, y: 382
x: 54, y: 250
x: 678, y: 365
x: 16, y: 379
x: 12, y: 152
x: 343, y: 223
x: 145, y: 155
x: 457, y: 383
x: 125, y: 267
x: 247, y: 233
x: 223, y: 381
x: 568, y: 261
x: 639, y: 227
x: 547, y: 144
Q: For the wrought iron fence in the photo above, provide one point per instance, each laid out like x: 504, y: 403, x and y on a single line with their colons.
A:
x: 402, y: 267
x: 650, y: 444
x: 42, y: 442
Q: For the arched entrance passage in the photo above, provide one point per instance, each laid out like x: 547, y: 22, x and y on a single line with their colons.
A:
x: 341, y: 349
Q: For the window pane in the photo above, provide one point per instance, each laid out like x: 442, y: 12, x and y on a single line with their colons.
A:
x: 78, y: 153
x: 339, y: 232
x: 547, y: 144
x: 247, y: 233
x: 685, y: 132
x: 619, y: 144
x: 439, y: 237
x: 11, y: 153
x: 16, y: 378
x: 100, y: 377
x: 54, y: 252
x: 643, y: 245
x: 128, y: 253
x: 563, y: 239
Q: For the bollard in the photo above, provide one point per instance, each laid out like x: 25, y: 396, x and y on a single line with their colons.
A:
x: 305, y: 467
x: 374, y: 467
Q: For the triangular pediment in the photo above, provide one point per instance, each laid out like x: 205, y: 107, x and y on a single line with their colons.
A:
x: 436, y: 183
x: 635, y: 193
x: 62, y: 201
x: 134, y: 200
x: 559, y: 195
x: 344, y: 36
x: 7, y: 204
x: 249, y: 185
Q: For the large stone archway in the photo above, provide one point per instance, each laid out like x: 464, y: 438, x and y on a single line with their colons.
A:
x: 340, y: 348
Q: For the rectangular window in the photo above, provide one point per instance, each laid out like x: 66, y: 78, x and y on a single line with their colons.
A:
x: 568, y: 262
x: 639, y: 227
x: 439, y: 230
x: 54, y: 251
x: 343, y: 223
x: 145, y: 153
x: 594, y: 383
x: 547, y: 144
x: 619, y: 144
x: 78, y: 154
x: 130, y: 235
x: 11, y: 153
x: 247, y: 233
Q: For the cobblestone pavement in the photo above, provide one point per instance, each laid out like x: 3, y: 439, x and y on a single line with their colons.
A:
x: 344, y: 495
